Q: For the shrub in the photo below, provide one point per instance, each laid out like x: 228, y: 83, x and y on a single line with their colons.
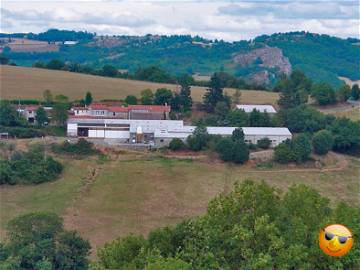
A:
x: 176, y: 144
x: 264, y: 143
x: 30, y: 167
x: 283, y: 152
x: 322, y: 142
x: 81, y: 148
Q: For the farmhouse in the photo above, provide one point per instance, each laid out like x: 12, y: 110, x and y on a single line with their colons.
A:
x: 160, y: 132
x: 29, y: 112
x: 261, y: 108
x: 137, y: 112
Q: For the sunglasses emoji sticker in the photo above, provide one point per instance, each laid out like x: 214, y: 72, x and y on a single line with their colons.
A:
x: 335, y: 240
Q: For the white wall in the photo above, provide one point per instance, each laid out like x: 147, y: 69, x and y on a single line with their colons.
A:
x: 117, y: 134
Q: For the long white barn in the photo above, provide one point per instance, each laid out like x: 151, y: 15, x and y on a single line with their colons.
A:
x: 161, y: 132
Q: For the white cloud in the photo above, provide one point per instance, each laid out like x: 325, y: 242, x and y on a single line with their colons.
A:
x: 214, y: 19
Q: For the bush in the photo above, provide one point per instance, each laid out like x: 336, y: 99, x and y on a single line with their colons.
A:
x: 298, y: 150
x: 283, y: 152
x: 322, y: 142
x: 176, y: 144
x: 81, y: 148
x: 199, y: 139
x: 264, y: 143
x: 31, y: 167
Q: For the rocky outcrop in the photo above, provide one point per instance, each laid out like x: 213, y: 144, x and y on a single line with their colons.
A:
x: 268, y: 57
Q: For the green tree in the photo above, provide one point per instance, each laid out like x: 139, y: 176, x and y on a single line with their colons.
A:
x: 88, y: 98
x: 41, y: 116
x: 176, y: 144
x: 48, y: 97
x: 60, y: 113
x: 163, y: 96
x: 9, y: 116
x: 264, y: 143
x: 198, y: 140
x: 39, y: 241
x: 168, y: 264
x: 237, y: 118
x: 109, y: 71
x: 323, y: 93
x: 302, y: 148
x: 225, y: 149
x: 238, y: 135
x: 355, y: 92
x: 61, y: 99
x: 147, y: 97
x: 131, y: 100
x: 221, y: 109
x: 214, y: 93
x: 55, y: 64
x: 3, y: 60
x: 283, y: 152
x: 240, y: 152
x: 185, y: 95
x: 343, y: 93
x: 322, y: 142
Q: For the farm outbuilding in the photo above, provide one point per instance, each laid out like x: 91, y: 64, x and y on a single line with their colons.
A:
x: 260, y: 108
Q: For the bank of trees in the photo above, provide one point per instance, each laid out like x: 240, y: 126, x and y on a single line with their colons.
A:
x: 38, y: 241
x: 253, y: 227
x: 31, y: 167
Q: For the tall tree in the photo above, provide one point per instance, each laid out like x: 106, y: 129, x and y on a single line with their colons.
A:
x: 147, y: 97
x: 185, y: 95
x: 60, y: 113
x: 162, y: 96
x: 88, y: 99
x: 48, y: 97
x: 355, y: 92
x: 41, y: 116
x: 323, y: 93
x: 214, y: 93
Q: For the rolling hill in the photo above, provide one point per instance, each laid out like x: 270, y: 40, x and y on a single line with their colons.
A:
x: 30, y: 83
x: 262, y: 60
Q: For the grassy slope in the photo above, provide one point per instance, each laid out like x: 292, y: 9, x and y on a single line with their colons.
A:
x: 134, y: 194
x: 29, y: 83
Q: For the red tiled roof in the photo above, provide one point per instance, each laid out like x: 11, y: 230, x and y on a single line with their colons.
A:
x: 151, y: 108
x: 98, y: 107
x: 117, y: 109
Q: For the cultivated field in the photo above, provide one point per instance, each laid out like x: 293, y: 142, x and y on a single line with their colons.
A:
x: 29, y: 45
x: 136, y: 192
x: 30, y: 83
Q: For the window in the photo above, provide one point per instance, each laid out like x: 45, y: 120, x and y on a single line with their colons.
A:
x: 161, y: 140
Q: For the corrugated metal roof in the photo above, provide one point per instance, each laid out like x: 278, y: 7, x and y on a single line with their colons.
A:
x: 266, y: 131
x: 260, y: 108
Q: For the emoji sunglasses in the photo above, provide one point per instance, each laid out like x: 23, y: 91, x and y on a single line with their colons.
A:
x: 342, y: 239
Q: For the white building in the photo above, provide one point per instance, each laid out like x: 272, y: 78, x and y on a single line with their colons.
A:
x: 261, y: 108
x: 161, y: 132
x: 252, y: 134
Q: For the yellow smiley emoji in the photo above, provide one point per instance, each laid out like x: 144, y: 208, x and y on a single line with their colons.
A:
x: 335, y: 240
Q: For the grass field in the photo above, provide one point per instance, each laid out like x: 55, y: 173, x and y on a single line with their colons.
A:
x: 343, y: 110
x: 136, y: 193
x: 30, y: 83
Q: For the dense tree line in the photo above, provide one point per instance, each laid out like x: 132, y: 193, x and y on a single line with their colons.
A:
x: 31, y: 167
x: 38, y: 241
x: 253, y: 227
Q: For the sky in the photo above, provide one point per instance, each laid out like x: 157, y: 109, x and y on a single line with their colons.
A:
x: 227, y: 20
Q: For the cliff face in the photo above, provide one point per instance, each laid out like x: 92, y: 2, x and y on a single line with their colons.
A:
x: 264, y: 58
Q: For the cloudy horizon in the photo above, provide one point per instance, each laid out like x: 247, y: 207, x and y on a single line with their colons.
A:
x: 228, y: 20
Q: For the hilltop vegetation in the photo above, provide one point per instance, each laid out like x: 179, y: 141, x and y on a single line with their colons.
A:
x: 321, y: 57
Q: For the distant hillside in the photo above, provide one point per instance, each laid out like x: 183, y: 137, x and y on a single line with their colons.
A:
x: 30, y: 83
x: 262, y: 60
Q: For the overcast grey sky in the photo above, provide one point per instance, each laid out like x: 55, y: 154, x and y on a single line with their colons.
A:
x: 228, y: 20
